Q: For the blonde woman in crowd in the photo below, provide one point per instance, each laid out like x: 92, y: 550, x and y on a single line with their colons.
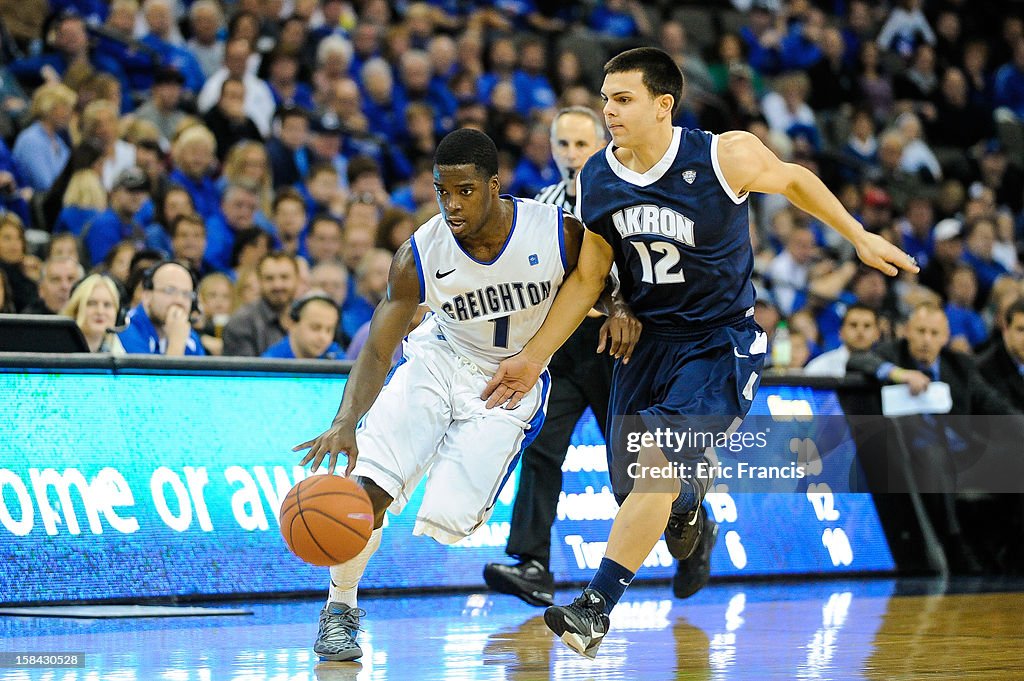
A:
x: 135, y: 131
x: 84, y: 199
x: 247, y: 164
x: 40, y: 152
x: 94, y: 305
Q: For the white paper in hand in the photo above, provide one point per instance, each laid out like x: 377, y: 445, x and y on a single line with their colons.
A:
x: 897, y: 400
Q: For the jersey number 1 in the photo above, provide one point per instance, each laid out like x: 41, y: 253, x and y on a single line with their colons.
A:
x: 659, y: 272
x: 500, y: 332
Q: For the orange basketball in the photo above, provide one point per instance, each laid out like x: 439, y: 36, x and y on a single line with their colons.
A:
x: 326, y: 519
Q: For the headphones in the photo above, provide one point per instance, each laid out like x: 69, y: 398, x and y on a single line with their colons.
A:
x: 295, y: 311
x: 119, y: 317
x: 150, y: 272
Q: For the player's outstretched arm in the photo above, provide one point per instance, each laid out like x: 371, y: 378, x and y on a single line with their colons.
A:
x: 590, y: 263
x: 749, y: 166
x: 389, y: 325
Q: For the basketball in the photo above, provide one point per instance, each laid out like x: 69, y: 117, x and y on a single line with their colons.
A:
x: 326, y: 519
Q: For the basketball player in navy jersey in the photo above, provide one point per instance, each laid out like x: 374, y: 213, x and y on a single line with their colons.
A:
x: 668, y: 206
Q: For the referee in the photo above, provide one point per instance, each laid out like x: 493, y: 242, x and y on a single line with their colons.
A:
x: 582, y: 378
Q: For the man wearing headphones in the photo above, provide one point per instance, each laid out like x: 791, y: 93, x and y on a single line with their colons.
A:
x: 314, y: 320
x: 160, y: 324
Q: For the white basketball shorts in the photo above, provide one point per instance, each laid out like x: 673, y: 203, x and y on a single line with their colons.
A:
x: 429, y: 420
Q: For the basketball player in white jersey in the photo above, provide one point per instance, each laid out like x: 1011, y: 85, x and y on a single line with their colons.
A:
x: 488, y: 268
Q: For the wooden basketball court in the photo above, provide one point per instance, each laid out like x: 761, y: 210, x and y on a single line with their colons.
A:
x: 872, y: 629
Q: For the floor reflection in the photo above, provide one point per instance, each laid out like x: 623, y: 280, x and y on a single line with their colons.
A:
x: 874, y: 629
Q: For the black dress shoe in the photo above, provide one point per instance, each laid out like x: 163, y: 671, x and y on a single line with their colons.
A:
x: 528, y: 580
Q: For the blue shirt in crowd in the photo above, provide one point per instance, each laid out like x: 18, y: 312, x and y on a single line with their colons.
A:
x: 1009, y: 88
x: 141, y: 337
x: 39, y: 157
x: 105, y: 230
x: 282, y: 349
x: 74, y: 219
x: 967, y: 323
x: 205, y: 196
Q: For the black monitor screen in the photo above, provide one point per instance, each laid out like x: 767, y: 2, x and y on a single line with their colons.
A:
x: 40, y: 333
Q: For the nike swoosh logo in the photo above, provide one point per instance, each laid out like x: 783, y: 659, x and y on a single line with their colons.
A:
x: 623, y: 582
x: 737, y: 353
x: 442, y: 275
x: 594, y: 635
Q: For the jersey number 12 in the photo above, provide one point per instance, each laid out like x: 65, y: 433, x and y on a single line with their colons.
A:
x: 659, y: 271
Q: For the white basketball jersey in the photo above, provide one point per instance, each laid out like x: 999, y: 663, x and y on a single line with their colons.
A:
x: 488, y: 311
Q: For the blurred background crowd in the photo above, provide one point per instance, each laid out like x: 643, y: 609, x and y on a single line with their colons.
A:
x: 280, y: 147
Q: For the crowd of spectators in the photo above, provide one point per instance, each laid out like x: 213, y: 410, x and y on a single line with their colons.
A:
x: 275, y: 148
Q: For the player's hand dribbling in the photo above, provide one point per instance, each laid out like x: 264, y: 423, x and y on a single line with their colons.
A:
x: 875, y: 251
x: 515, y: 377
x: 620, y: 332
x: 340, y: 437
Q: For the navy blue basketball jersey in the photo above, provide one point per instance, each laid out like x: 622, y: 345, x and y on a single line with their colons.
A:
x: 680, y: 235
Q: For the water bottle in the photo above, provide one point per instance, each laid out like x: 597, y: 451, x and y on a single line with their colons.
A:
x: 782, y: 349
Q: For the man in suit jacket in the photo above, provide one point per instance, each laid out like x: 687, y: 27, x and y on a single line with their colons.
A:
x: 1003, y: 364
x: 923, y: 352
x: 940, y: 446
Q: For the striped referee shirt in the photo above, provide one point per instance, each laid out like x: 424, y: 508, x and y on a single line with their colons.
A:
x: 556, y: 196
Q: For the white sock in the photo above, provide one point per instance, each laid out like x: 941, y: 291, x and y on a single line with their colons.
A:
x: 345, y: 576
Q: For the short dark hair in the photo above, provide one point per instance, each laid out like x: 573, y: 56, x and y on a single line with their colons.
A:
x: 276, y: 255
x: 362, y: 165
x: 321, y: 167
x: 287, y: 194
x: 1015, y: 309
x: 320, y: 218
x: 659, y: 73
x: 467, y: 146
x: 291, y: 111
x: 145, y: 255
x: 190, y: 218
x: 860, y: 307
x: 245, y: 238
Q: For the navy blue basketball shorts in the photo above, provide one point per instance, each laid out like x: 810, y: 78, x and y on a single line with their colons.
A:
x: 684, y: 391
